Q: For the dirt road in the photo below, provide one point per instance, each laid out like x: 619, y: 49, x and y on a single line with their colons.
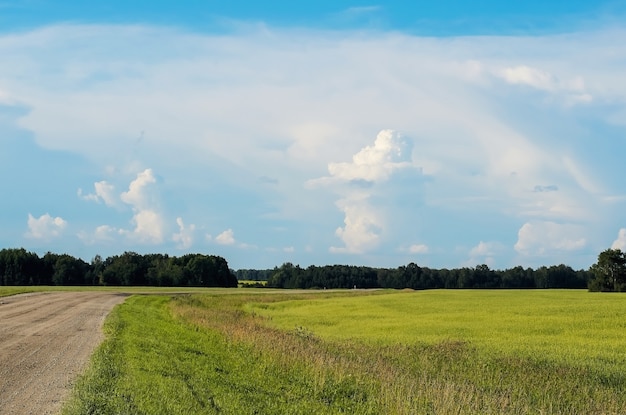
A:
x: 45, y: 342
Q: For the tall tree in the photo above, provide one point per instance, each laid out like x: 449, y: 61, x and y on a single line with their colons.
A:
x: 609, y: 272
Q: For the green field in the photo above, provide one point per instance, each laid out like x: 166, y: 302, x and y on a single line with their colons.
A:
x: 359, y: 352
x: 563, y: 326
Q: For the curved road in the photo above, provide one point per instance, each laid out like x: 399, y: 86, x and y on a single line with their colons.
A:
x: 46, y: 340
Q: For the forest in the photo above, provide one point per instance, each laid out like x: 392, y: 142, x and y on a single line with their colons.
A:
x: 415, y: 277
x: 21, y: 267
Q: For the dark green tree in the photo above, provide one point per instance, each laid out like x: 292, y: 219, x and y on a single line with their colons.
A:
x: 609, y: 273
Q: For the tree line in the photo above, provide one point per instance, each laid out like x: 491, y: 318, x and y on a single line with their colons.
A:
x: 20, y: 267
x: 416, y: 277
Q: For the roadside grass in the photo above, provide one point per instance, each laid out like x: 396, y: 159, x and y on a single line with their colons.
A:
x: 358, y: 353
x: 13, y: 290
x: 6, y: 291
x: 155, y: 363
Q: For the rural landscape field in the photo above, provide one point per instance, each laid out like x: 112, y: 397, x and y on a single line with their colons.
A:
x: 327, y: 207
x: 236, y: 351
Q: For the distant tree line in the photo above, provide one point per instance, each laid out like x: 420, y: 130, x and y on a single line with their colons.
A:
x: 253, y: 274
x: 20, y: 267
x: 419, y: 278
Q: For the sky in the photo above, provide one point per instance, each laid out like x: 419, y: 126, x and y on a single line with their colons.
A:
x: 448, y: 133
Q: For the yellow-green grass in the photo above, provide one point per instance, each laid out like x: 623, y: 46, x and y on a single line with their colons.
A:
x: 282, y: 352
x: 251, y: 283
x: 572, y: 327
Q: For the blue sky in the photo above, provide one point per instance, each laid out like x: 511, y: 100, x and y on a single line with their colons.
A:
x: 443, y: 133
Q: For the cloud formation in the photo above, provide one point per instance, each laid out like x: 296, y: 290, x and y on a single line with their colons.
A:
x: 543, y: 237
x: 45, y: 227
x: 104, y: 192
x: 390, y: 152
x: 620, y: 242
x: 226, y: 238
x: 524, y: 132
x: 149, y: 223
x: 357, y: 182
x: 185, y: 234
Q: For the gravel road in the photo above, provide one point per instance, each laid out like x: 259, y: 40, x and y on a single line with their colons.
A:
x: 46, y: 340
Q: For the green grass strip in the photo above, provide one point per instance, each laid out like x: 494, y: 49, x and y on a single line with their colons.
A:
x: 154, y: 364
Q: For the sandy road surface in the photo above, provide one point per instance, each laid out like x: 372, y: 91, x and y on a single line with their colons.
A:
x: 45, y: 342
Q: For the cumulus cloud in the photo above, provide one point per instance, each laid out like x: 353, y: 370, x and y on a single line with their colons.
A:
x: 620, y: 242
x: 363, y: 226
x: 45, y: 227
x: 484, y: 253
x: 373, y: 165
x: 149, y: 224
x: 104, y: 192
x: 544, y: 237
x: 226, y: 238
x: 138, y: 194
x: 391, y: 151
x: 184, y: 237
x: 149, y: 227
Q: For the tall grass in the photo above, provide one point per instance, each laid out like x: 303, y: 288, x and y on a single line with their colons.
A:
x: 258, y: 354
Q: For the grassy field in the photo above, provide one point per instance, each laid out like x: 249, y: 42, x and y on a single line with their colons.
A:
x: 354, y: 352
x: 572, y: 327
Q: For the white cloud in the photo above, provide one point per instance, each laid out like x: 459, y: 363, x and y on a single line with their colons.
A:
x: 391, y: 151
x: 620, y: 242
x: 45, y: 227
x: 226, y: 238
x: 184, y: 237
x: 104, y: 192
x: 485, y: 249
x: 484, y: 253
x: 419, y: 249
x: 149, y: 227
x: 544, y: 237
x: 364, y: 222
x: 363, y: 226
x: 102, y: 234
x: 138, y: 194
x: 149, y: 223
x: 525, y: 75
x: 573, y: 89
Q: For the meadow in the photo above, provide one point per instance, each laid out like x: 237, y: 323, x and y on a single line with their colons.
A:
x: 360, y: 352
